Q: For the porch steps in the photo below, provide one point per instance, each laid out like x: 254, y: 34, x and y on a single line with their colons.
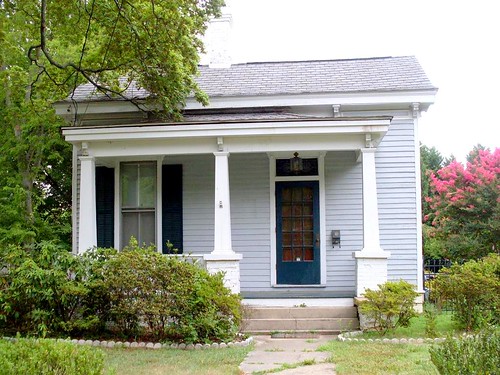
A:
x: 296, y: 321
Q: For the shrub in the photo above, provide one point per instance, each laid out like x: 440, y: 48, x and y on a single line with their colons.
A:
x: 473, y: 291
x: 474, y: 354
x: 48, y: 357
x: 430, y: 315
x: 390, y: 306
x: 168, y: 298
x: 42, y: 291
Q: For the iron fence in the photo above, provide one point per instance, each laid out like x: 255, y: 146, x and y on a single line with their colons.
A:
x: 431, y: 269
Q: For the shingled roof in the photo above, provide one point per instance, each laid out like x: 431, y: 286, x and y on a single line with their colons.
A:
x: 380, y: 74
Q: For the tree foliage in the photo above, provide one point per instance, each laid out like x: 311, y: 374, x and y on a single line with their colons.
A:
x: 47, y: 49
x: 465, y: 206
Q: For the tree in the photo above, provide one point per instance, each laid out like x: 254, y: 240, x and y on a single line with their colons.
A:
x: 465, y: 206
x: 47, y: 48
x: 431, y: 161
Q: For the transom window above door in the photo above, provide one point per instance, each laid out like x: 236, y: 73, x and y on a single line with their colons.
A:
x: 138, y: 202
x: 308, y: 167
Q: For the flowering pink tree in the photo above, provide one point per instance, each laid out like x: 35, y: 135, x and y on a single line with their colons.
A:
x: 465, y: 206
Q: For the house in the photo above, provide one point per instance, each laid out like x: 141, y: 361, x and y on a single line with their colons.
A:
x: 300, y: 179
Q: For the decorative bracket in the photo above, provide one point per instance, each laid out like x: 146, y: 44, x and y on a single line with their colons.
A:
x: 85, y: 149
x: 336, y: 110
x: 415, y: 109
x: 220, y: 143
x: 368, y: 141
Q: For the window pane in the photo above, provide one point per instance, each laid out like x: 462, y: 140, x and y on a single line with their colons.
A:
x: 130, y: 225
x: 147, y: 226
x: 129, y: 176
x: 147, y: 185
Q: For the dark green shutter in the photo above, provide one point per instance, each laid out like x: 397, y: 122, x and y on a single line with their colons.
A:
x: 172, y: 207
x: 105, y: 202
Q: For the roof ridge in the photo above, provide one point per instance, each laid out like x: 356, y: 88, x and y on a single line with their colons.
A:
x: 318, y: 60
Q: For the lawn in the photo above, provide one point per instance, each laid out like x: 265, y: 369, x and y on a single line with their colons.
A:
x: 444, y: 326
x: 376, y: 358
x: 174, y: 361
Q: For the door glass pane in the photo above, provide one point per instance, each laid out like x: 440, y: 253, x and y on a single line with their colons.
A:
x: 287, y: 254
x: 287, y: 225
x: 286, y: 195
x: 308, y: 209
x: 286, y: 210
x: 309, y: 254
x: 297, y: 210
x: 308, y: 238
x: 297, y: 254
x: 297, y: 240
x: 308, y: 223
x: 307, y: 194
x: 296, y: 194
x: 287, y: 239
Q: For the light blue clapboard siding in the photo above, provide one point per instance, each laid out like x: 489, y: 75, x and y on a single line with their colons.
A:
x: 395, y: 160
x: 344, y: 212
x: 250, y: 218
x: 198, y: 201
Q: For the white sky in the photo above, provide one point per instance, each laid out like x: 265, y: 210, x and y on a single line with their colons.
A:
x: 457, y: 43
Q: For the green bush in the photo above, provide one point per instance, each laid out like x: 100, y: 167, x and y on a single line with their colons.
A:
x: 136, y: 293
x: 472, y: 290
x: 43, y: 291
x: 168, y: 298
x: 390, y: 306
x: 471, y: 355
x: 48, y: 357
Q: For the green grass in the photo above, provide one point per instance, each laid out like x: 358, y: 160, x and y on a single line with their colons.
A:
x: 363, y: 358
x: 444, y: 326
x: 174, y: 362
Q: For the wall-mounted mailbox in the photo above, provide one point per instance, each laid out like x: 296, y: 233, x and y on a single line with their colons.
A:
x: 335, y: 238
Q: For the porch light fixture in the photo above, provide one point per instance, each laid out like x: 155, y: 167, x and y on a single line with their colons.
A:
x: 296, y: 166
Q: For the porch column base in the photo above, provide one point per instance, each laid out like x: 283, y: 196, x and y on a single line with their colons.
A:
x: 371, y: 270
x: 229, y: 264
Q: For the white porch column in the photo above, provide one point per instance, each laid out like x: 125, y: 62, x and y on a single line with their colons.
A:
x: 371, y: 261
x: 87, y: 231
x: 223, y: 258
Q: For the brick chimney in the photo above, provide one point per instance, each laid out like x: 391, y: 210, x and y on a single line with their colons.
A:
x: 218, y: 40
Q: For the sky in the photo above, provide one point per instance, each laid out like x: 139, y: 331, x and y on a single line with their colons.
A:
x: 456, y: 42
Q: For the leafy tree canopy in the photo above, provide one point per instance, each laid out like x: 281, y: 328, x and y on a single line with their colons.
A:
x: 465, y: 206
x: 47, y: 49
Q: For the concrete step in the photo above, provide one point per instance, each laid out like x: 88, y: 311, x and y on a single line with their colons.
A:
x: 300, y: 312
x: 327, y: 320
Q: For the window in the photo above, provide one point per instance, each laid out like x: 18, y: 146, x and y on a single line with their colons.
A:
x: 138, y: 202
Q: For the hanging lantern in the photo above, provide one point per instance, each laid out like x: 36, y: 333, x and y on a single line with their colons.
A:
x: 296, y: 164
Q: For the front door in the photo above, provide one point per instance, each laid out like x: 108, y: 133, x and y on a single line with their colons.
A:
x: 297, y: 233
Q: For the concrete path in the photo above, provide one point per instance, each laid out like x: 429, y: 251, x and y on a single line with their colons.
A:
x: 272, y: 354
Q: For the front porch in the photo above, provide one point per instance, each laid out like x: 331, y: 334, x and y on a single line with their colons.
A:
x: 230, y: 213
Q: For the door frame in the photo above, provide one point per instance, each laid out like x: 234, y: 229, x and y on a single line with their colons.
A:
x: 322, y: 213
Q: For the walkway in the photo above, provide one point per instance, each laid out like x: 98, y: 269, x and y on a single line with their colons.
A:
x: 272, y: 354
